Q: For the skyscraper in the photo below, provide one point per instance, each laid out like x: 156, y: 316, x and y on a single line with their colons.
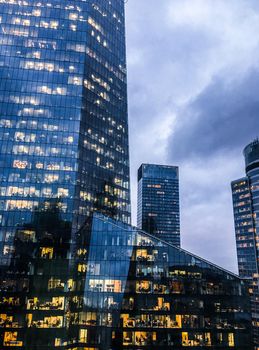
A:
x: 63, y: 155
x: 245, y: 193
x: 158, y: 201
x: 63, y: 112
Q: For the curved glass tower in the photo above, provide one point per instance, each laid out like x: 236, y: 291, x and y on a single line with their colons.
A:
x: 245, y: 193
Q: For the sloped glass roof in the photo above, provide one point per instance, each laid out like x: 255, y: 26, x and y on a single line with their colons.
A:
x: 129, y: 236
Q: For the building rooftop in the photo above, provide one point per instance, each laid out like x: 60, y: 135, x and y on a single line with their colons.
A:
x: 251, y: 154
x: 190, y: 258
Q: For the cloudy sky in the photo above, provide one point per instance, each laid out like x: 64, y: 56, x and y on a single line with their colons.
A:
x: 193, y: 77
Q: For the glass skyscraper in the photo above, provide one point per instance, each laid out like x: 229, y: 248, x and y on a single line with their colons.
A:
x: 63, y: 155
x: 63, y: 112
x: 245, y: 193
x: 158, y: 201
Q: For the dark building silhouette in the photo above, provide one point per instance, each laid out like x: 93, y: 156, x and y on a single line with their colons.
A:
x: 126, y: 289
x: 158, y: 201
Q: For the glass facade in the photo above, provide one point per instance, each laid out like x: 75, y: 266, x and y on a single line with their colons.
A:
x: 244, y: 228
x: 126, y: 290
x: 158, y: 201
x: 245, y: 194
x: 63, y: 113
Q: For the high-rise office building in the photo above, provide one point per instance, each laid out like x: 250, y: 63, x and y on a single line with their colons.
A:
x: 245, y: 192
x: 63, y: 155
x: 63, y: 112
x: 158, y: 201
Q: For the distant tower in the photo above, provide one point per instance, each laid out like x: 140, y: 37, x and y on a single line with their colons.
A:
x: 158, y: 201
x: 245, y: 192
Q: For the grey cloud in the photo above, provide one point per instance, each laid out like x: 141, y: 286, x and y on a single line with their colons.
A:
x: 207, y: 141
x: 223, y: 117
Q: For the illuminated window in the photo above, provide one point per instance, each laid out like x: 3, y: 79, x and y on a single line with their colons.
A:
x: 20, y: 164
x: 81, y: 267
x: 36, y: 13
x: 71, y: 285
x: 62, y: 192
x: 46, y: 252
x: 83, y: 335
x: 73, y: 16
x: 143, y: 287
x: 55, y: 284
x: 10, y: 339
x: 231, y: 340
x: 58, y: 342
x: 49, y: 178
x: 81, y: 252
x: 53, y: 166
x: 39, y: 165
x: 75, y: 80
x: 48, y: 322
x: 20, y: 204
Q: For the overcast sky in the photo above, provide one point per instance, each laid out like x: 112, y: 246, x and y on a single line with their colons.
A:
x: 193, y: 77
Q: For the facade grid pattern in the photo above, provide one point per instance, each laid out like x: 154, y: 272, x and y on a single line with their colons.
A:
x: 158, y: 201
x: 245, y: 193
